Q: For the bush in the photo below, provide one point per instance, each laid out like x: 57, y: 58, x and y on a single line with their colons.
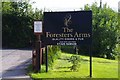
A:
x: 53, y: 54
x: 75, y: 60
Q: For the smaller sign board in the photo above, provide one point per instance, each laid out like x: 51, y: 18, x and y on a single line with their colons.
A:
x: 37, y: 27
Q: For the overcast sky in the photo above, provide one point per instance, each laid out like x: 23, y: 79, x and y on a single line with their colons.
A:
x: 70, y: 5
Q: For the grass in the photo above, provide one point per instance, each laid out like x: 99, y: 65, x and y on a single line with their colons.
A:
x: 102, y: 68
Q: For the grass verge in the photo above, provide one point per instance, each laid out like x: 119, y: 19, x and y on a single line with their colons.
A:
x: 102, y: 68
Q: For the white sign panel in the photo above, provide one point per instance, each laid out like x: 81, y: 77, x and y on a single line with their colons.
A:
x: 37, y: 26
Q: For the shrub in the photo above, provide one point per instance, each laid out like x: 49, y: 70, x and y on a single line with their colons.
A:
x: 53, y: 54
x: 75, y: 60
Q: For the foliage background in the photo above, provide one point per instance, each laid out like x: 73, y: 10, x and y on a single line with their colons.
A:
x: 17, y: 28
x: 106, y: 32
x: 17, y: 24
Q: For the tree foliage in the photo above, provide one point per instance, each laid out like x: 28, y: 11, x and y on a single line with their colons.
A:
x: 17, y: 27
x: 105, y: 30
x: 17, y: 23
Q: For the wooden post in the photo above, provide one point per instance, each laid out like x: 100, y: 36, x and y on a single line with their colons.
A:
x: 42, y: 56
x: 38, y: 47
x: 38, y: 32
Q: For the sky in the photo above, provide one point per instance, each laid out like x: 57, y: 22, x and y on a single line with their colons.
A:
x: 70, y: 5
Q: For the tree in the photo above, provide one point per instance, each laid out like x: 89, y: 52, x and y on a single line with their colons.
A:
x: 105, y: 27
x: 17, y: 29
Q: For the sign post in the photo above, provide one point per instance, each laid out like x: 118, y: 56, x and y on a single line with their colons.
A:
x: 37, y: 32
x: 46, y: 51
x: 90, y: 53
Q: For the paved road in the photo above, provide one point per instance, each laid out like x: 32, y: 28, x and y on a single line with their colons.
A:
x: 15, y: 62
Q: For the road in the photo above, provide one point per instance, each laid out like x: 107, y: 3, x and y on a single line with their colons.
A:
x: 15, y: 62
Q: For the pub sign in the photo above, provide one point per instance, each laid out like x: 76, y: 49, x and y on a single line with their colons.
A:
x: 67, y: 28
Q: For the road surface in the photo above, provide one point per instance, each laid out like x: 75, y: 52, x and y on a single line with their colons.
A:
x: 15, y: 62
